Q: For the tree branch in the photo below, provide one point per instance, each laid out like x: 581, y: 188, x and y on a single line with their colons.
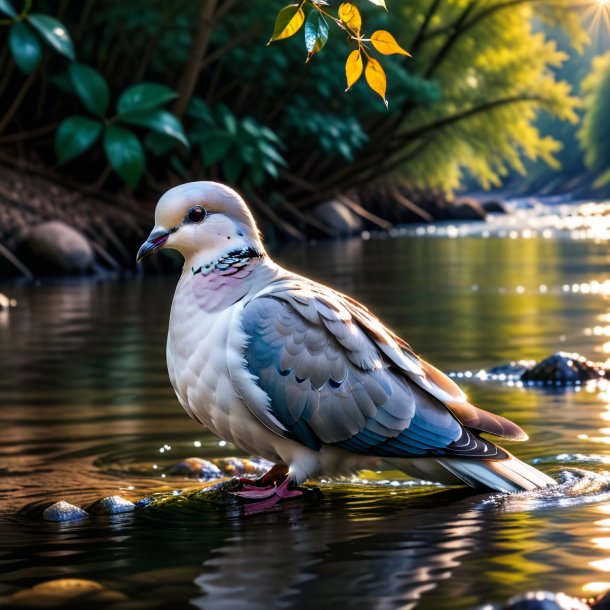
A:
x: 190, y: 74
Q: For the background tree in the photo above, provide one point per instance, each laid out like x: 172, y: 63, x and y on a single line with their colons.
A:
x: 595, y: 132
x: 279, y: 128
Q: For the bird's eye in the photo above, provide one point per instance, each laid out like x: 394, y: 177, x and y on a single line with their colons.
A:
x: 196, y: 213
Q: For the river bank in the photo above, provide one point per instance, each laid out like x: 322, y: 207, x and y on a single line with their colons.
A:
x: 50, y: 229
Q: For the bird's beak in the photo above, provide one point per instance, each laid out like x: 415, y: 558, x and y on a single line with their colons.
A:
x: 155, y: 242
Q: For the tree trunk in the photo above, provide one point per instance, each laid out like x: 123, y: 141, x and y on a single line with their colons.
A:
x: 190, y: 74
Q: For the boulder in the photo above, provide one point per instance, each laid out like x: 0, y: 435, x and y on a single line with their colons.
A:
x: 494, y: 206
x: 563, y: 369
x: 55, y: 246
x: 467, y: 209
x: 338, y: 217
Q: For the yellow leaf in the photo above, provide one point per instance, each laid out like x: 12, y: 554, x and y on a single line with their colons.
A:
x: 353, y: 68
x: 375, y: 77
x: 288, y: 22
x: 385, y: 43
x: 350, y: 15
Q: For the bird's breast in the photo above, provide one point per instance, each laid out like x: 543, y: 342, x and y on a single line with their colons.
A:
x: 205, y: 358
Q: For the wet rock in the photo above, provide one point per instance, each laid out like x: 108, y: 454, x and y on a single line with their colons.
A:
x: 541, y: 600
x: 196, y: 468
x: 238, y: 467
x: 494, y: 206
x: 70, y: 592
x: 563, y: 369
x: 514, y: 370
x: 338, y: 217
x: 218, y: 495
x: 63, y: 511
x: 56, y: 246
x: 467, y: 209
x: 111, y: 505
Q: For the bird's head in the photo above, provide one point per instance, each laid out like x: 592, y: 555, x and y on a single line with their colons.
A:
x: 202, y: 219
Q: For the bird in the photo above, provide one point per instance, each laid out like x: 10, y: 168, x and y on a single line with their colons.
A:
x: 297, y: 373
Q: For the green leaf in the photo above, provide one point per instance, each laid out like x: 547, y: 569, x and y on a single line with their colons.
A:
x: 271, y: 153
x: 288, y: 22
x: 270, y: 168
x: 158, y: 143
x: 64, y: 82
x: 74, y: 136
x: 25, y: 47
x: 198, y: 109
x: 90, y: 87
x: 316, y: 33
x: 215, y: 148
x: 158, y: 120
x: 124, y: 153
x: 7, y: 8
x: 144, y: 96
x: 53, y: 32
x: 232, y: 166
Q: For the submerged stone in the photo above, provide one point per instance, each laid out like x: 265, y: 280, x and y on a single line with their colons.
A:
x: 219, y: 495
x: 63, y: 511
x: 64, y: 592
x: 111, y: 505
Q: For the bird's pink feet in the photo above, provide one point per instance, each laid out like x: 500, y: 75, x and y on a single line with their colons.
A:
x: 264, y: 493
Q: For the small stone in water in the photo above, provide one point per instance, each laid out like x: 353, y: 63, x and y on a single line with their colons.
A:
x: 61, y: 592
x: 196, y: 468
x: 236, y: 467
x: 63, y: 511
x: 112, y: 505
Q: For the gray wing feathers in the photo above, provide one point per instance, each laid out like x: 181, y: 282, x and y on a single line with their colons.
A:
x: 335, y: 374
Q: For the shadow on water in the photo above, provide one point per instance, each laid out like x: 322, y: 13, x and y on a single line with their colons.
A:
x: 86, y: 408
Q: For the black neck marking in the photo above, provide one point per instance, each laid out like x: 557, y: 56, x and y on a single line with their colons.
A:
x: 231, y: 262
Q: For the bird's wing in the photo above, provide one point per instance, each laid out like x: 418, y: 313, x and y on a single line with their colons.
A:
x: 430, y: 378
x: 328, y: 381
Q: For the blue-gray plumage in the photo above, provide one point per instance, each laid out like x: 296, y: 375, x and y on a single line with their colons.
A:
x: 300, y: 374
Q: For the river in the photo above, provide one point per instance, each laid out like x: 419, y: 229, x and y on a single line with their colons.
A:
x: 86, y: 407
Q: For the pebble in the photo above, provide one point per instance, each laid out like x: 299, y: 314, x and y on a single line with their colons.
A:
x: 63, y: 511
x: 196, y: 468
x: 111, y: 505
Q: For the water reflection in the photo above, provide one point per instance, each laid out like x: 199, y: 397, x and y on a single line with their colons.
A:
x: 379, y: 560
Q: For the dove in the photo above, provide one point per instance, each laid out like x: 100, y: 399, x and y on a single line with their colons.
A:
x: 297, y: 373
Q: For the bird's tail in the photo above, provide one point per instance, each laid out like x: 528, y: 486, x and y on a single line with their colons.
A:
x: 505, y: 475
x: 501, y: 475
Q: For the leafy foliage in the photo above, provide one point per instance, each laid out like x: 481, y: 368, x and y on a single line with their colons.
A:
x: 245, y: 150
x: 290, y: 19
x: 468, y: 103
x: 595, y: 132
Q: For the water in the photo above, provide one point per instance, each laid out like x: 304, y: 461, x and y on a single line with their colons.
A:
x: 85, y: 407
